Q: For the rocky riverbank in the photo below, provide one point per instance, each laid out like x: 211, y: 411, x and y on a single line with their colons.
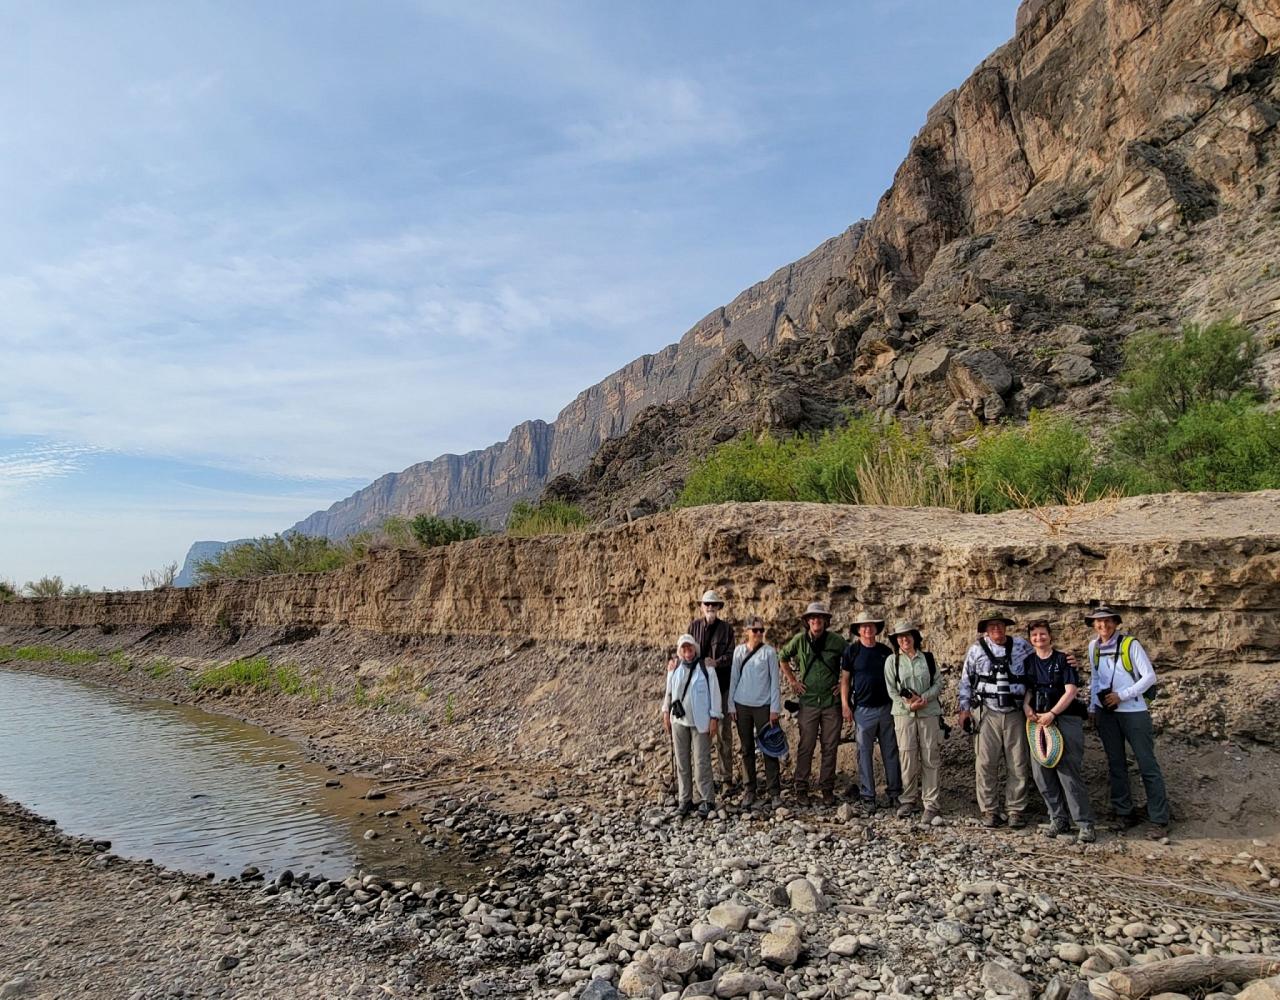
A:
x: 587, y: 902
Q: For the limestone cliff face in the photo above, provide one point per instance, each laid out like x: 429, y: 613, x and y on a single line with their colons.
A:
x: 1195, y: 575
x: 1146, y: 104
x: 483, y: 484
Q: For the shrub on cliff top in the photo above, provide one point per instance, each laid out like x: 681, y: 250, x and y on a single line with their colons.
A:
x: 1049, y: 460
x: 8, y: 591
x: 290, y: 553
x: 430, y: 531
x: 550, y: 517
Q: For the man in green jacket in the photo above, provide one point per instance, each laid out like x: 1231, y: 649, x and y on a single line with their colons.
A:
x: 811, y: 664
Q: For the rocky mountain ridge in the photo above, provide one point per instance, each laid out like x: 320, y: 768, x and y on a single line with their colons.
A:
x: 1112, y: 168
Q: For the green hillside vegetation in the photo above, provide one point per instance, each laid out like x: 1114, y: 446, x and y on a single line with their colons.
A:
x: 1192, y: 421
x: 550, y: 517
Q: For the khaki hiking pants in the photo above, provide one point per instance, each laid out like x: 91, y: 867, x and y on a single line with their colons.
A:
x: 1002, y: 738
x: 693, y: 764
x: 920, y: 751
x: 815, y: 724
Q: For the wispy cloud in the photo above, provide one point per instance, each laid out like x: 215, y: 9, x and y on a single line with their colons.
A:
x: 36, y: 465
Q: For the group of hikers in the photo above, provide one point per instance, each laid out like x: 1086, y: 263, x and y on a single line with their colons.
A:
x: 1019, y: 698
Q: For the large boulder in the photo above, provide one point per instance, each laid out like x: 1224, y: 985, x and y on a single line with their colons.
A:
x: 640, y: 979
x: 977, y: 374
x: 738, y: 984
x: 1004, y: 981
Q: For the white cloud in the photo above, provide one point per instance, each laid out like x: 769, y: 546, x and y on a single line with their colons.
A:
x: 37, y: 464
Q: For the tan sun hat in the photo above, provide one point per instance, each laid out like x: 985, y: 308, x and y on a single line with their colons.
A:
x: 903, y: 626
x: 818, y: 608
x: 712, y: 597
x: 995, y: 616
x: 1102, y: 611
x: 866, y: 618
x: 688, y: 640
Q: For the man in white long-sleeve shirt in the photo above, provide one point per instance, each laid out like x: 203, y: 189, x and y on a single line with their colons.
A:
x: 1120, y: 675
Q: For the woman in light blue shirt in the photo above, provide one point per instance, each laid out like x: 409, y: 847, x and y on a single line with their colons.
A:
x: 755, y: 701
x: 691, y: 713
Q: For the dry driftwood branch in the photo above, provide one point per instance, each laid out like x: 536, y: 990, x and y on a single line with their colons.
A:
x: 1190, y: 972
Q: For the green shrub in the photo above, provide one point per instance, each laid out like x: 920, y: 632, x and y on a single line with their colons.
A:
x: 8, y: 591
x: 1166, y: 377
x: 120, y: 660
x: 289, y: 553
x: 430, y: 531
x: 1230, y: 446
x: 254, y: 673
x: 861, y: 462
x: 1194, y: 422
x: 1049, y: 460
x: 550, y: 517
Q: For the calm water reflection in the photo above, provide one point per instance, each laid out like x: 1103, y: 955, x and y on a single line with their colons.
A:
x: 190, y: 790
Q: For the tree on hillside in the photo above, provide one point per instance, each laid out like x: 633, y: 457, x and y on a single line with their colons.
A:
x: 8, y: 591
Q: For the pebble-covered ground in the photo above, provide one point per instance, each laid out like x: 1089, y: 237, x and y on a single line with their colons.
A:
x: 590, y: 902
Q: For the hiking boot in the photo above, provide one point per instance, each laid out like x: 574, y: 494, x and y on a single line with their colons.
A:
x: 802, y: 796
x: 905, y: 810
x: 1052, y: 830
x: 1017, y: 821
x: 1126, y: 821
x: 1086, y: 834
x: 685, y: 808
x: 776, y: 802
x: 1157, y: 831
x: 704, y: 810
x: 930, y: 815
x: 828, y: 798
x: 991, y: 820
x: 748, y: 798
x: 866, y: 807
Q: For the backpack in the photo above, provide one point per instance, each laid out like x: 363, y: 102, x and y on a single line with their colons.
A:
x: 1126, y: 662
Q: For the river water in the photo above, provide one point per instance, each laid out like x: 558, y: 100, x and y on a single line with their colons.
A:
x: 186, y: 789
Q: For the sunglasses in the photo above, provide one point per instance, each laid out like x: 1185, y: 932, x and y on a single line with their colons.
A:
x: 710, y: 604
x: 754, y: 629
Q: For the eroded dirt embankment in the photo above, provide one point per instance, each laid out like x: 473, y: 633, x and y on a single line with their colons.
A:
x: 527, y: 663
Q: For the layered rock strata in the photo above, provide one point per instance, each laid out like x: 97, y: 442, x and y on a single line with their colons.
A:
x: 1198, y: 576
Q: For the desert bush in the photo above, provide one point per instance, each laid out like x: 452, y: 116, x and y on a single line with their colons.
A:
x: 8, y: 591
x: 862, y: 462
x: 429, y: 531
x: 46, y: 586
x: 1193, y: 416
x: 162, y: 577
x: 550, y: 517
x: 1049, y: 460
x: 288, y: 553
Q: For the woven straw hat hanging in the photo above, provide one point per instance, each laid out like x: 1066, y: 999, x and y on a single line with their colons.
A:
x: 1046, y: 743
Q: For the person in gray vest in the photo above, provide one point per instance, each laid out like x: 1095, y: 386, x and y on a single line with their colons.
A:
x: 866, y: 703
x: 992, y: 690
x: 1122, y: 676
x: 714, y: 637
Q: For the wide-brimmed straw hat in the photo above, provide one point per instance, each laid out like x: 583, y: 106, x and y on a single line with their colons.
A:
x: 904, y: 626
x: 867, y: 618
x: 1102, y: 611
x: 712, y: 597
x: 997, y: 616
x: 816, y: 608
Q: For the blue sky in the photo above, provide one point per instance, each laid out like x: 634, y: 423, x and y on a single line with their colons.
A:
x: 254, y: 255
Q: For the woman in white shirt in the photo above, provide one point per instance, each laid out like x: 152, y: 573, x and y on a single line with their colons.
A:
x: 691, y: 713
x: 755, y: 701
